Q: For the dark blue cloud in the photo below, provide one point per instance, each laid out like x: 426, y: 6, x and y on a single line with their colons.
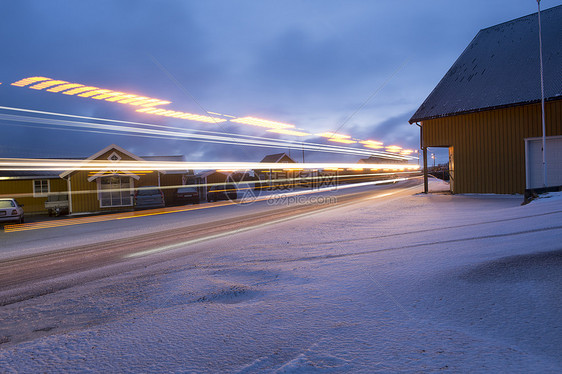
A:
x: 358, y: 66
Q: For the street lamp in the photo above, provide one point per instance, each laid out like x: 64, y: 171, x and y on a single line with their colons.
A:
x: 433, y: 157
x: 542, y: 99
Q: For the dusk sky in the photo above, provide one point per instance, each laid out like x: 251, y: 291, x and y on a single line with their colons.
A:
x: 359, y: 67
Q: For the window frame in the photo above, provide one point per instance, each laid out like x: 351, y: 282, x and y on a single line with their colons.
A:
x: 41, y: 192
x: 129, y: 192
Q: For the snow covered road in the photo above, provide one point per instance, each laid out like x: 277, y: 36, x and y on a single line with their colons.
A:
x: 408, y: 283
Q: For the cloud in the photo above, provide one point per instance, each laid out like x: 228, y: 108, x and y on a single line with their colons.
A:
x: 309, y: 63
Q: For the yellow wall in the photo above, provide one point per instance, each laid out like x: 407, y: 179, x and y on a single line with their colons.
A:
x: 169, y: 183
x: 489, y: 147
x: 84, y: 194
x: 22, y: 191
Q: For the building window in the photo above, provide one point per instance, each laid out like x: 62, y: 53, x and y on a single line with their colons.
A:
x: 114, y: 157
x: 115, y: 191
x: 40, y: 188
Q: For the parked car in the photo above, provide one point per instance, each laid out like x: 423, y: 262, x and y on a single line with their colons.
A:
x: 149, y: 197
x: 11, y: 210
x: 186, y: 195
x: 222, y: 192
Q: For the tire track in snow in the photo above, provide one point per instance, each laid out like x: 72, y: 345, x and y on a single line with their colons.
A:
x: 438, y: 242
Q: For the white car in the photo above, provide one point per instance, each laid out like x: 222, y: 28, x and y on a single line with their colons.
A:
x: 11, y: 210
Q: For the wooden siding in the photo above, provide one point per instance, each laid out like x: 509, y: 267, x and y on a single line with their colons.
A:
x: 489, y: 146
x: 286, y: 159
x: 85, y: 194
x: 22, y: 191
x: 168, y: 184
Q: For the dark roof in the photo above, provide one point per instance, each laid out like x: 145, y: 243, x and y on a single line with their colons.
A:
x: 30, y: 174
x: 53, y: 174
x: 500, y: 68
x: 206, y: 173
x: 276, y: 157
x: 379, y: 160
x: 176, y: 158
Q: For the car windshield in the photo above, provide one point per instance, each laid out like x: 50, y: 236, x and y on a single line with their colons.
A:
x: 187, y: 190
x: 148, y: 192
x: 7, y: 204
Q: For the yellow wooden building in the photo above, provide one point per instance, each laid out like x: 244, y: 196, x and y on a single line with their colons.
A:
x: 92, y: 190
x: 31, y: 188
x: 488, y: 106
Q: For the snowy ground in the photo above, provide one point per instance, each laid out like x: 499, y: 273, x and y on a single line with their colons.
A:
x: 418, y: 283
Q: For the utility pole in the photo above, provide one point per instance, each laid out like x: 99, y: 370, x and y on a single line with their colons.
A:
x: 425, y: 182
x: 542, y: 99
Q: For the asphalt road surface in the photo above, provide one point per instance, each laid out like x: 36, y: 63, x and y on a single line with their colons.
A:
x: 47, y: 257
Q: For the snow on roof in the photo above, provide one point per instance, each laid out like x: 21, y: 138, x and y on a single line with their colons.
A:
x: 500, y: 67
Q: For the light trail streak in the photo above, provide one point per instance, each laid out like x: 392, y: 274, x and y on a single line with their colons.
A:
x: 95, y: 219
x: 19, y: 164
x: 232, y: 232
x: 393, y: 148
x: 236, y: 231
x: 217, y: 236
x: 183, y: 115
x: 66, y: 88
x: 262, y: 123
x: 78, y: 90
x: 63, y: 87
x: 182, y: 134
x: 46, y: 84
x: 169, y: 210
x: 105, y: 96
x: 278, y: 182
x: 383, y: 195
x: 94, y: 92
x: 289, y: 132
x: 338, y: 138
x: 374, y: 144
x: 345, y: 141
x: 26, y: 81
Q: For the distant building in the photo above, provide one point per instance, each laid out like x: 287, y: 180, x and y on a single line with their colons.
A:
x: 31, y: 188
x: 171, y: 178
x: 486, y: 110
x: 278, y: 158
x: 279, y: 177
x: 207, y: 178
x: 380, y: 160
